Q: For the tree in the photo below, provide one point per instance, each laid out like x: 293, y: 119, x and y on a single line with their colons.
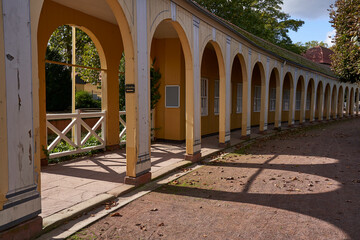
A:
x: 58, y: 84
x: 84, y: 99
x: 86, y: 53
x: 262, y: 18
x: 345, y: 61
x: 310, y: 44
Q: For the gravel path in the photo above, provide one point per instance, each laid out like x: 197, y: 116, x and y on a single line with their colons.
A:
x: 299, y: 185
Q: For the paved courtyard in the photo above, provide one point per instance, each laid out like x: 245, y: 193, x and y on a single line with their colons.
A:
x: 69, y: 183
x: 303, y: 185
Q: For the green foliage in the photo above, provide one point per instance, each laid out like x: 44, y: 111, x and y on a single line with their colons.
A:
x: 58, y: 84
x: 261, y: 18
x: 345, y: 19
x: 155, y: 77
x: 310, y: 44
x: 86, y: 53
x: 84, y: 99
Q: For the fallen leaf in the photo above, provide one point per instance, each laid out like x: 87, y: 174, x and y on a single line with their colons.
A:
x: 116, y: 215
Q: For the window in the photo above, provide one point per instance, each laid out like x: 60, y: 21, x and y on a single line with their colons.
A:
x: 172, y: 96
x: 204, y: 97
x: 257, y: 98
x: 272, y: 100
x: 216, y: 97
x: 298, y: 101
x: 239, y: 90
x: 308, y: 100
x: 286, y: 100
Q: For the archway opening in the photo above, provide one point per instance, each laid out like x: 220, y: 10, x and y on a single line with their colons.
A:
x: 274, y: 86
x: 334, y: 102
x: 319, y: 101
x: 237, y: 86
x: 257, y: 84
x: 309, y: 99
x: 168, y: 76
x: 340, y: 102
x: 287, y: 94
x: 299, y: 98
x: 352, y: 102
x: 210, y: 91
x: 326, y: 112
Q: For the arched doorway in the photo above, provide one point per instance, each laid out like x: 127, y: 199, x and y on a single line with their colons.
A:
x: 274, y: 96
x: 319, y: 102
x: 287, y: 100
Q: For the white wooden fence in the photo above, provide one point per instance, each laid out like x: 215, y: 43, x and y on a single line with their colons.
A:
x: 77, y: 122
x: 123, y: 132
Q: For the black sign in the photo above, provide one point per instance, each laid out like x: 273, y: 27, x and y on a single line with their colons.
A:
x: 129, y: 88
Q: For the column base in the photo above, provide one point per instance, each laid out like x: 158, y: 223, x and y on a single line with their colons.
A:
x: 194, y: 157
x: 139, y: 180
x: 113, y: 147
x: 247, y: 137
x: 44, y: 162
x: 224, y: 145
x: 27, y: 230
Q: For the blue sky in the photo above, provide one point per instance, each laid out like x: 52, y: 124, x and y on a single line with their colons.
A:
x: 316, y: 17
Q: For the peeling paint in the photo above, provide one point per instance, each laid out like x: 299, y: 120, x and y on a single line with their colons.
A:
x: 30, y: 154
x: 19, y: 101
x: 30, y: 133
x: 20, y: 154
x: 9, y: 57
x: 18, y: 78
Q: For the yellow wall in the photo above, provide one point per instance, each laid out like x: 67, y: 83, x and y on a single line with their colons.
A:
x: 169, y: 59
x: 236, y: 77
x: 272, y: 84
x: 210, y: 70
x: 255, y: 81
x: 108, y: 42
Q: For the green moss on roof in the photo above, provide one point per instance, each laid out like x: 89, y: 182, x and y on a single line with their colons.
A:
x: 271, y: 48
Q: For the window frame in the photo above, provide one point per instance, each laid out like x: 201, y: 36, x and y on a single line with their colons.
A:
x: 257, y: 98
x: 204, y: 109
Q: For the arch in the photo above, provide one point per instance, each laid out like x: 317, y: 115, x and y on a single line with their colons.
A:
x: 319, y: 101
x: 334, y: 102
x: 214, y: 46
x: 357, y: 101
x: 53, y: 15
x: 340, y: 102
x: 300, y: 99
x: 238, y: 80
x: 257, y: 95
x: 274, y: 97
x: 310, y: 101
x: 327, y: 101
x: 352, y: 102
x: 185, y: 113
x: 347, y: 100
x: 288, y: 98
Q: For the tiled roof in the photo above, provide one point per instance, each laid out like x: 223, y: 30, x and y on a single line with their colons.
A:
x: 319, y: 54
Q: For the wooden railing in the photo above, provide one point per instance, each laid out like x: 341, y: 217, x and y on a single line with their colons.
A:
x: 76, y: 141
x: 122, y: 132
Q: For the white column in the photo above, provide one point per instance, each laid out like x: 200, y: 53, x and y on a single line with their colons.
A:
x: 197, y: 95
x: 279, y: 93
x: 303, y: 100
x: 265, y: 94
x: 143, y: 89
x: 23, y: 200
x: 228, y: 89
x: 248, y: 99
x: 293, y: 100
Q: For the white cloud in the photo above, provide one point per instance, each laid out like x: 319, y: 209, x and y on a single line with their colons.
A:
x: 329, y: 37
x: 310, y: 9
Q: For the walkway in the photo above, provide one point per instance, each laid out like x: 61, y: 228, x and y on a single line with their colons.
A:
x: 67, y: 184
